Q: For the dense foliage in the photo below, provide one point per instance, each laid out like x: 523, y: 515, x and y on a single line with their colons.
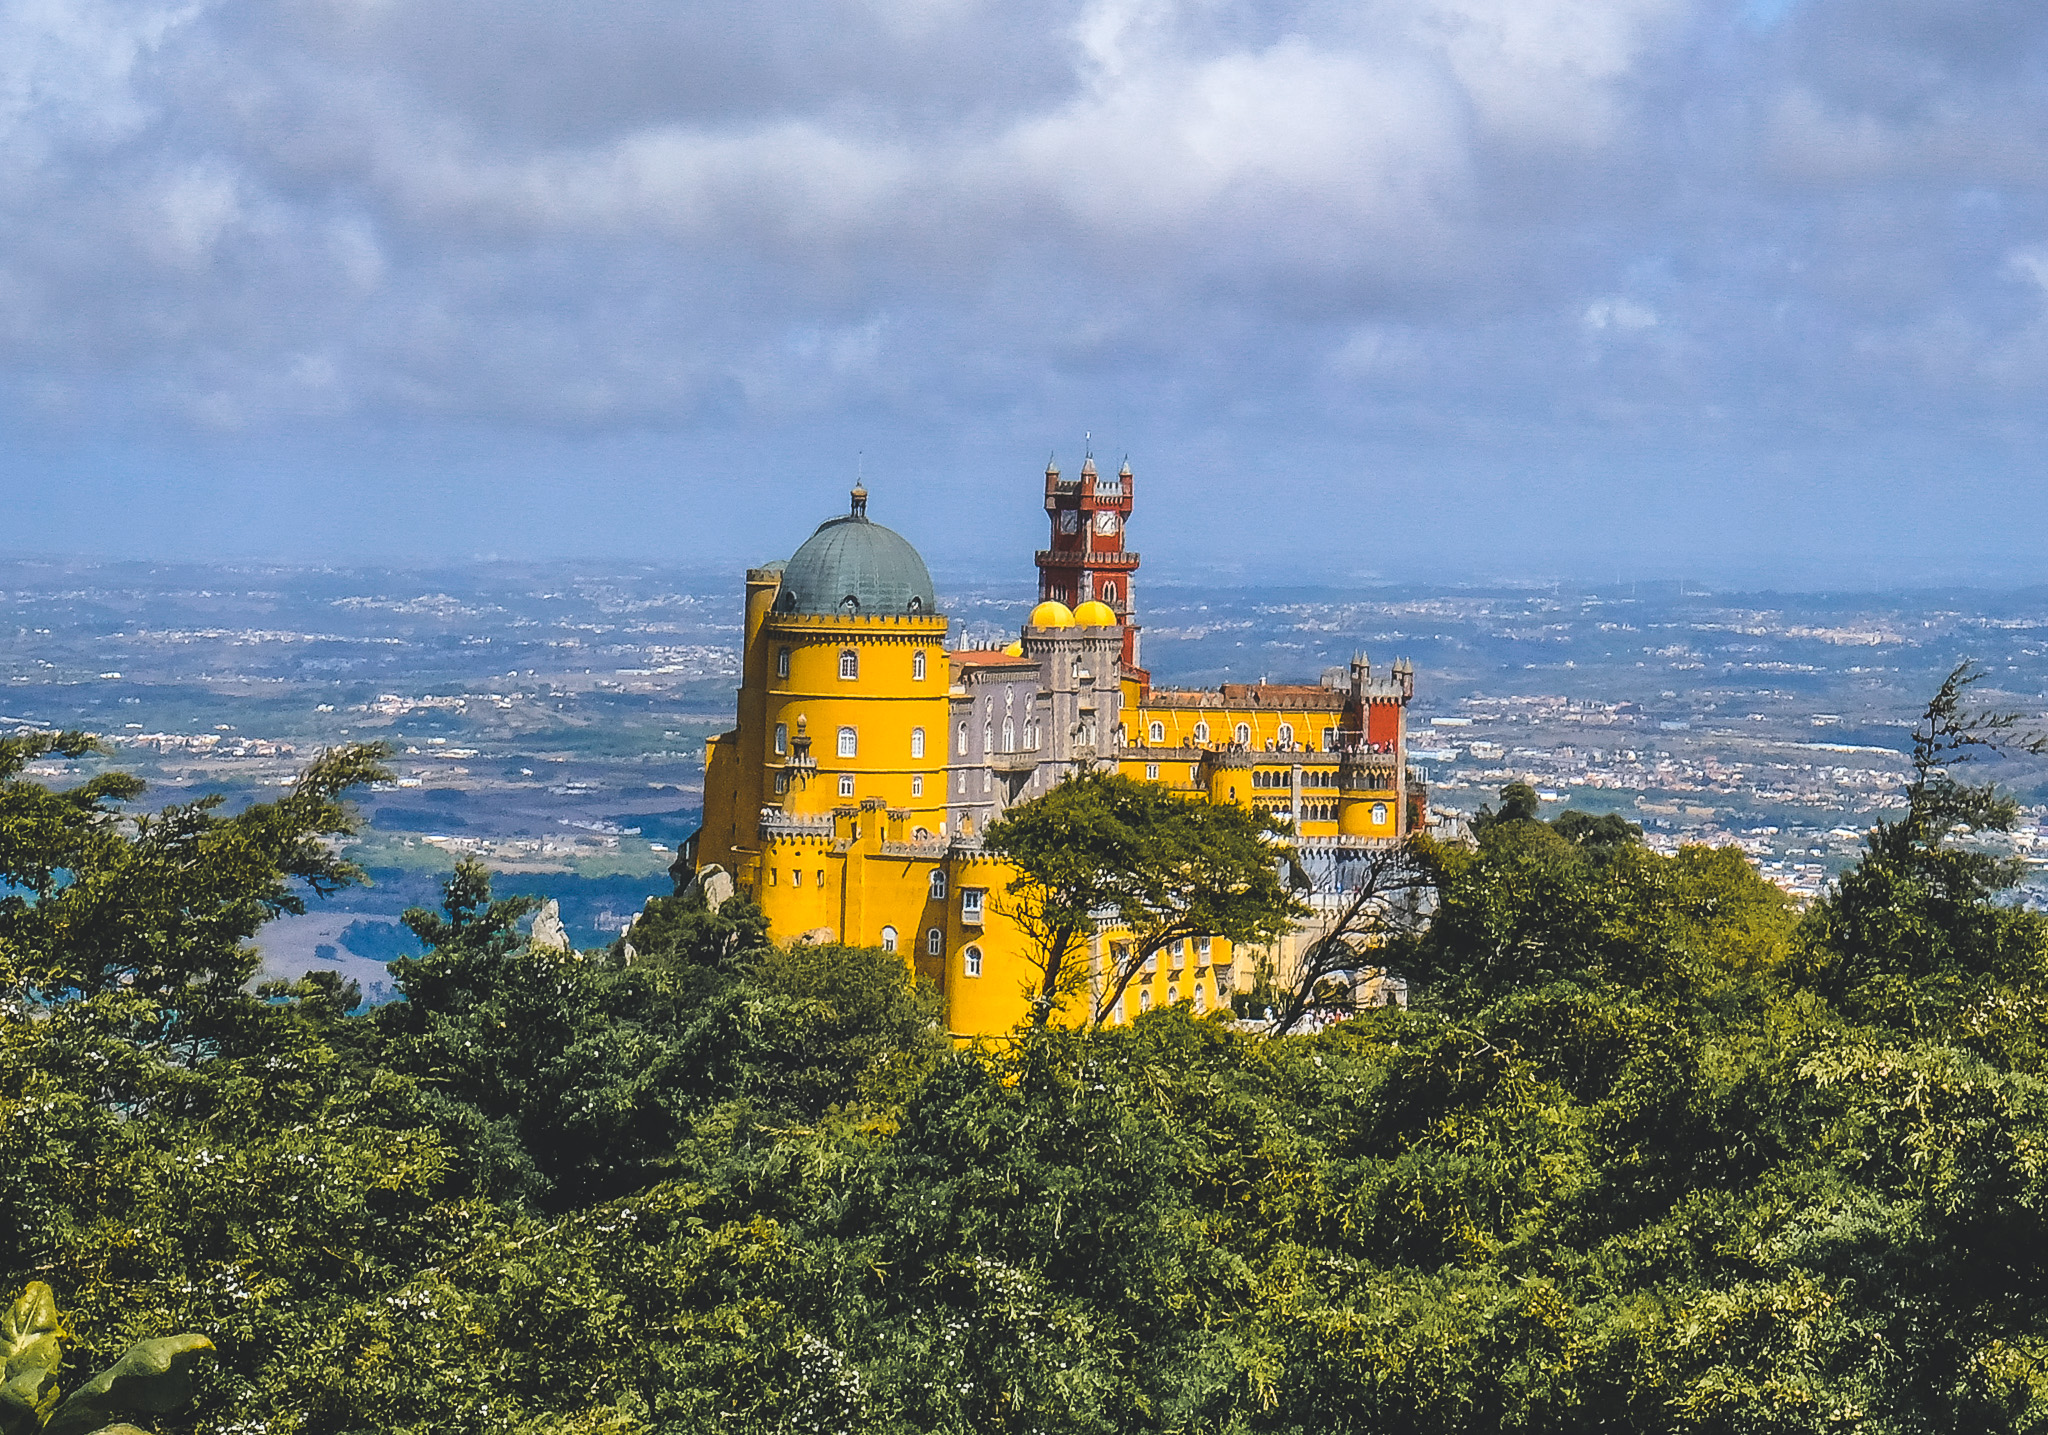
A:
x: 1656, y: 1152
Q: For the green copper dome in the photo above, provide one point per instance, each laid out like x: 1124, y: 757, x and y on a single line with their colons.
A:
x: 851, y: 565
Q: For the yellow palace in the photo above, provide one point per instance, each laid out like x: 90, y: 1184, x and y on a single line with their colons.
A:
x: 868, y: 756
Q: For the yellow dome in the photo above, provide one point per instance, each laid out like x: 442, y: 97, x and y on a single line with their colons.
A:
x: 1095, y: 615
x: 1050, y: 614
x: 1014, y: 650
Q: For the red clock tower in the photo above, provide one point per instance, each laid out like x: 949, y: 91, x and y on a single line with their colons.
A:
x: 1087, y: 561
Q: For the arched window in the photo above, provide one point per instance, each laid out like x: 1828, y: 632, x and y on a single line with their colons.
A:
x: 1158, y: 732
x: 782, y: 662
x: 917, y: 786
x: 1379, y: 814
x: 970, y: 961
x: 934, y: 943
x: 1009, y: 735
x: 848, y: 743
x: 1201, y: 732
x: 963, y: 740
x: 1145, y: 1000
x: 781, y: 738
x: 1109, y: 592
x: 888, y: 939
x: 1244, y: 732
x: 1031, y: 736
x: 1172, y: 993
x: 938, y: 885
x: 1201, y: 997
x: 849, y: 663
x: 917, y: 665
x: 917, y: 742
x: 846, y: 784
x: 988, y: 738
x: 1286, y: 734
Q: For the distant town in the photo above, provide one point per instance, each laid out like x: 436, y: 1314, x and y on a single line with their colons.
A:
x: 552, y: 719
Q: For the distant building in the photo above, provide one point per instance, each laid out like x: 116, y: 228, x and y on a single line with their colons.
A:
x: 868, y: 758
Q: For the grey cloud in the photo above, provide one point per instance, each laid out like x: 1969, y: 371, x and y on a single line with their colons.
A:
x: 1445, y: 237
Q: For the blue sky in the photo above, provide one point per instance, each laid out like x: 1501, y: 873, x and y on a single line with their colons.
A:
x: 1753, y: 291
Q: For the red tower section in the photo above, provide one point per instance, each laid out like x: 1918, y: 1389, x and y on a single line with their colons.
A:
x: 1087, y: 561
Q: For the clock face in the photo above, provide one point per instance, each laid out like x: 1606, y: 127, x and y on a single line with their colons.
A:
x: 1105, y: 521
x: 1070, y: 521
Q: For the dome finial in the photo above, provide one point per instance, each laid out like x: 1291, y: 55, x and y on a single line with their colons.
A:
x: 860, y: 499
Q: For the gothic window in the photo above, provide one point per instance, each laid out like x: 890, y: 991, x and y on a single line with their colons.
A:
x: 1031, y: 736
x: 938, y: 885
x: 1009, y: 735
x: 1109, y: 592
x: 846, y: 784
x: 848, y: 743
x: 1244, y: 732
x: 917, y: 742
x: 1201, y: 732
x: 917, y: 665
x: 1286, y: 734
x: 781, y: 738
x: 970, y: 961
x: 1379, y: 814
x: 988, y: 737
x: 963, y: 739
x: 1201, y: 997
x: 888, y: 939
x: 782, y: 662
x: 1158, y: 732
x: 849, y: 664
x: 1145, y: 1000
x: 985, y: 779
x: 934, y: 943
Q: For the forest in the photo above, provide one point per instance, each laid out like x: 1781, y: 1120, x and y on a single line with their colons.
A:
x: 1652, y: 1149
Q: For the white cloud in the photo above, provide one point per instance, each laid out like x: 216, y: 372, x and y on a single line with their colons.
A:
x: 1623, y: 314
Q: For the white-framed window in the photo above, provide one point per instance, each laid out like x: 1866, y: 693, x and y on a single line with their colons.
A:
x: 1152, y: 771
x: 1286, y: 733
x: 986, y: 779
x: 1202, y: 947
x: 781, y: 738
x: 1201, y: 732
x: 1329, y: 739
x: 1009, y: 735
x: 1179, y: 950
x: 970, y: 904
x: 846, y: 784
x: 1201, y: 998
x: 1145, y: 1000
x: 934, y: 942
x: 917, y: 742
x: 1152, y: 961
x: 917, y: 666
x: 782, y: 662
x: 1244, y: 732
x: 962, y: 741
x: 938, y: 885
x: 1031, y: 735
x: 849, y: 742
x: 888, y: 939
x: 988, y: 737
x: 970, y: 961
x: 1157, y: 732
x: 1379, y: 814
x: 1172, y: 993
x: 917, y: 784
x: 849, y: 664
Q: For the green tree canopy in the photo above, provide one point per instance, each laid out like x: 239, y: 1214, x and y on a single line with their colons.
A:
x: 1101, y: 849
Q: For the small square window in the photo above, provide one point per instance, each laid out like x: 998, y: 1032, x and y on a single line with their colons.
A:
x: 1152, y: 771
x: 970, y: 905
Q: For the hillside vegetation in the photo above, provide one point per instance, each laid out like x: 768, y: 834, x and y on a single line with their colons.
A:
x: 1654, y: 1152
